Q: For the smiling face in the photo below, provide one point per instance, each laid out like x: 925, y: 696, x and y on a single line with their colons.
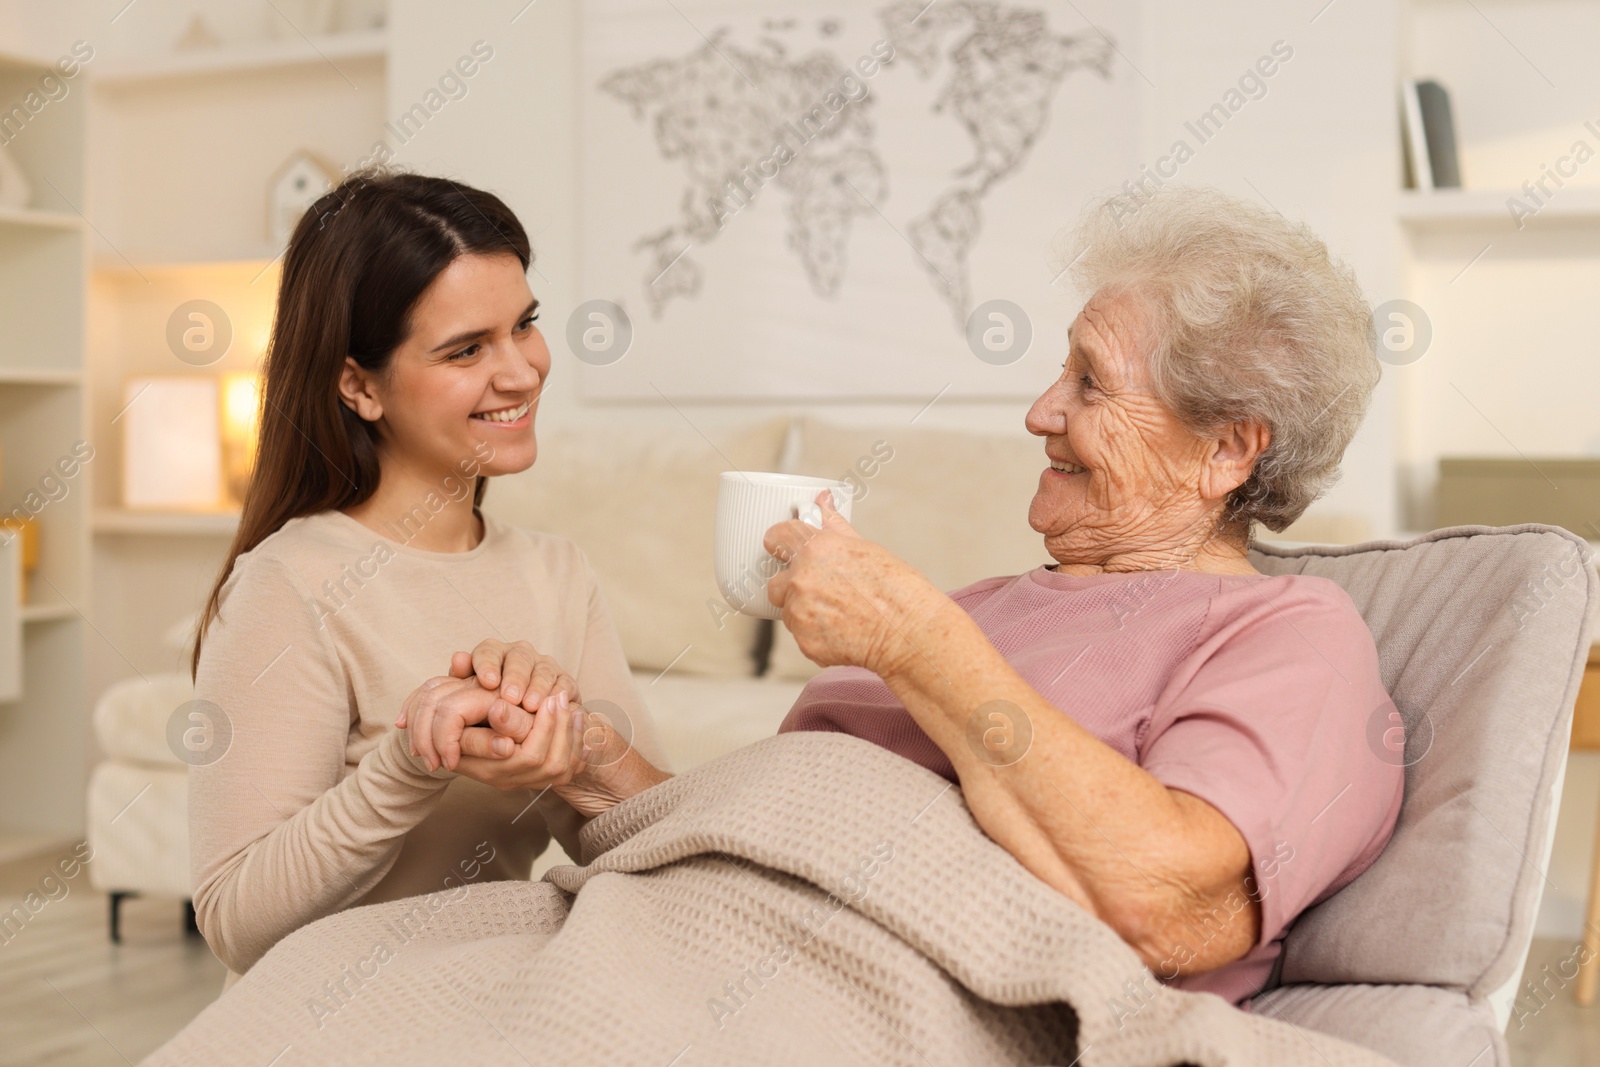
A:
x: 469, y: 374
x: 1128, y: 485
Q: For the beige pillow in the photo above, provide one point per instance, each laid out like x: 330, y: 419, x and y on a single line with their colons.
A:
x: 641, y: 503
x: 953, y: 504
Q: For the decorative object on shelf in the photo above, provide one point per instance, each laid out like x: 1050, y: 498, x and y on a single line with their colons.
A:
x: 363, y: 14
x: 293, y: 19
x: 15, y: 190
x: 197, y: 35
x: 294, y: 187
x: 172, y: 444
x: 26, y: 531
x: 10, y: 619
x: 1431, y: 157
x: 241, y: 407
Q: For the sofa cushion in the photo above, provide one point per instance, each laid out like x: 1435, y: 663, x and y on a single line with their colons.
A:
x: 952, y: 503
x: 699, y: 719
x: 641, y: 503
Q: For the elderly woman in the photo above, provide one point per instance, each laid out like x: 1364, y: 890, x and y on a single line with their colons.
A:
x: 1170, y: 738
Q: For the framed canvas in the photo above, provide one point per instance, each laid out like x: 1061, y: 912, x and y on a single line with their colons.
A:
x: 853, y: 202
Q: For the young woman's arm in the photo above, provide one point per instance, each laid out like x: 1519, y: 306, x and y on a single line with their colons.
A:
x: 279, y: 835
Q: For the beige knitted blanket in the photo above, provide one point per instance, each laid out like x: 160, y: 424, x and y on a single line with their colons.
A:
x: 810, y: 899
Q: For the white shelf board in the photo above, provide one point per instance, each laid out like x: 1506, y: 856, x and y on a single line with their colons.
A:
x: 19, y: 846
x: 39, y: 376
x: 1443, y: 209
x: 47, y: 611
x: 166, y: 523
x: 27, y: 216
x: 242, y: 58
x: 104, y: 262
x: 12, y: 60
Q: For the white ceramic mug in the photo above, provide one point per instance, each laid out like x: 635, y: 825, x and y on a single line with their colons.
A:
x: 749, y: 503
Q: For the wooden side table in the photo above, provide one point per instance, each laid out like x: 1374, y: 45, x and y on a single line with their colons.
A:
x: 1586, y: 735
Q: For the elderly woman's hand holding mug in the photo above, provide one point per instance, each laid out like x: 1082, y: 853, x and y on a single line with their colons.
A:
x: 847, y: 600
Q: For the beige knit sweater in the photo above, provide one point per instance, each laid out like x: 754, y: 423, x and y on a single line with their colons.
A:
x: 316, y: 803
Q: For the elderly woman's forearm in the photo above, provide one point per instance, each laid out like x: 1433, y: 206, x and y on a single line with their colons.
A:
x: 604, y: 784
x: 1074, y: 811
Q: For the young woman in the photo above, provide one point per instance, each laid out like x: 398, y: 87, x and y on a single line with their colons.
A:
x: 405, y: 369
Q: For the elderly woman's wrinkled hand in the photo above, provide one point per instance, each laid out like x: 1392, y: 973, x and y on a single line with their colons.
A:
x: 847, y: 600
x: 575, y: 752
x: 438, y: 713
x: 513, y: 749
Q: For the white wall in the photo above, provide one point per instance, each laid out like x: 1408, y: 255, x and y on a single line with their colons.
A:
x: 1513, y: 366
x: 518, y: 134
x: 1321, y: 145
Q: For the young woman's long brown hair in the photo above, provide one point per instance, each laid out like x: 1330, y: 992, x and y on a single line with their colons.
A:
x: 356, y: 264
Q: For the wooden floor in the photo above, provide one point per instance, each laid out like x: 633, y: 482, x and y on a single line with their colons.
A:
x: 1560, y: 1034
x: 70, y: 997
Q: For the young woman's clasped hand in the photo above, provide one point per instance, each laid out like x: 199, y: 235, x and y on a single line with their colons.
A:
x: 510, y: 717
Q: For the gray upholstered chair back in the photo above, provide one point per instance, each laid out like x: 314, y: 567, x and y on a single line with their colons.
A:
x: 1482, y: 635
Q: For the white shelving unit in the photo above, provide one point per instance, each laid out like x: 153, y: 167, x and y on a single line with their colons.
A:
x: 1503, y: 267
x: 166, y: 232
x: 43, y: 279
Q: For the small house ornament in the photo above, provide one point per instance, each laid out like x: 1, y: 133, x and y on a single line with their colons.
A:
x: 294, y: 188
x: 197, y: 35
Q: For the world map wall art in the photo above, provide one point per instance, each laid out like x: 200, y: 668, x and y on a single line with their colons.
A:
x: 822, y: 202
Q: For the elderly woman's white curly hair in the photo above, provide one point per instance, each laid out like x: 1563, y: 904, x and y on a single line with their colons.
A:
x: 1251, y: 318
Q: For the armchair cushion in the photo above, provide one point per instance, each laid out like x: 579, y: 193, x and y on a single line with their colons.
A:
x: 1482, y: 636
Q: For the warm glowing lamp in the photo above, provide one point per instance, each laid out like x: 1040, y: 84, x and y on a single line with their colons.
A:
x: 241, y: 412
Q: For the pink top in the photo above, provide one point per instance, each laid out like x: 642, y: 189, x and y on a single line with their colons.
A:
x: 1259, y: 694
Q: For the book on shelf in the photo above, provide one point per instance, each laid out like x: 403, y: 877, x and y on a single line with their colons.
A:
x: 1430, y: 133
